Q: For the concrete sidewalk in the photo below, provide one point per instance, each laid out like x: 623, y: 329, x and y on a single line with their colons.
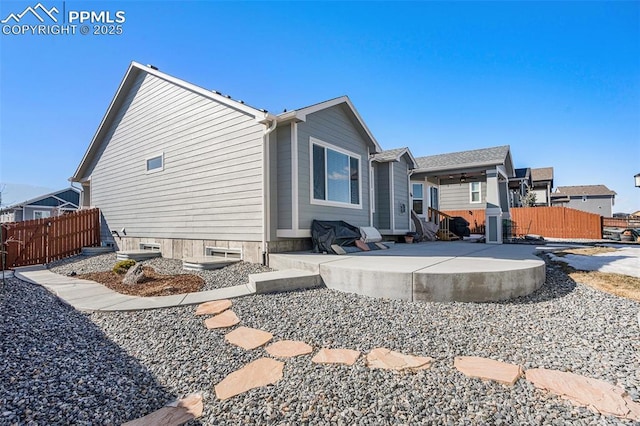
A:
x: 89, y: 296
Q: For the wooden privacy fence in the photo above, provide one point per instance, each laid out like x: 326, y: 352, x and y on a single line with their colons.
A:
x: 39, y: 241
x: 613, y: 222
x: 551, y: 222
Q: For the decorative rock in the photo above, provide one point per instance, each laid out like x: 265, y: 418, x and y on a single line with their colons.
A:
x: 288, y: 349
x: 134, y: 275
x: 214, y: 307
x: 488, y: 369
x: 597, y: 395
x: 248, y: 338
x: 225, y: 319
x: 391, y: 360
x: 336, y: 356
x: 261, y: 372
x: 175, y: 413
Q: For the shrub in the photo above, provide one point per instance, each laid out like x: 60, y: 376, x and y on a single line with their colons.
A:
x: 123, y: 266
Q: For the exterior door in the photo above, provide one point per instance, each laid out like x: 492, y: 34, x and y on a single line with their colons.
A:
x: 418, y: 204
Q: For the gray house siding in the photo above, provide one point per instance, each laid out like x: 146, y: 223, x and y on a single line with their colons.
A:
x: 282, y: 163
x: 210, y: 186
x: 333, y: 126
x: 401, y: 196
x: 456, y: 196
x: 382, y: 216
x: 593, y: 204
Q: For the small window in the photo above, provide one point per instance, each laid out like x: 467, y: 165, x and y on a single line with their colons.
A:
x: 155, y: 163
x: 474, y: 188
x: 417, y: 189
x: 335, y: 176
x: 40, y: 214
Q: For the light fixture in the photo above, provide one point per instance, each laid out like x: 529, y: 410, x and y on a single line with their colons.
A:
x: 463, y: 178
x: 637, y: 178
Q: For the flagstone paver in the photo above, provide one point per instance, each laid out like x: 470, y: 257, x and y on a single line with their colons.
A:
x: 488, y: 369
x: 597, y: 395
x: 261, y: 372
x: 391, y: 360
x: 226, y: 319
x: 336, y: 356
x: 288, y: 349
x: 214, y: 307
x: 248, y: 338
x: 174, y: 413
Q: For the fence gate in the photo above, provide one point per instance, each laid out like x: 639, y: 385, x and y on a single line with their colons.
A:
x: 40, y: 241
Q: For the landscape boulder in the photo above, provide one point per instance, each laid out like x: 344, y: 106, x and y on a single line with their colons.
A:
x: 135, y: 275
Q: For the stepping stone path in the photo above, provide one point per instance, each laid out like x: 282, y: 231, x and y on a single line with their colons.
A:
x: 225, y: 319
x: 261, y: 372
x: 390, y: 360
x: 594, y: 394
x: 248, y: 338
x: 174, y: 413
x: 213, y: 308
x: 288, y: 349
x: 488, y: 369
x: 336, y: 356
x: 597, y: 395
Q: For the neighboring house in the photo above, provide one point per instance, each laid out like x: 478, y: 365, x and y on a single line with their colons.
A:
x: 48, y: 205
x: 596, y: 199
x: 187, y: 170
x: 519, y: 185
x: 467, y: 180
x: 542, y: 185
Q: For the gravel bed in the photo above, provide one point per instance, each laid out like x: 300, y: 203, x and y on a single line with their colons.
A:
x: 232, y: 275
x: 564, y: 325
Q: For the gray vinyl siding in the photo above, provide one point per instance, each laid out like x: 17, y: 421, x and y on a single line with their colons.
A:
x: 401, y: 195
x: 382, y: 215
x: 456, y: 196
x: 593, y: 204
x: 333, y: 126
x: 283, y: 165
x: 211, y: 184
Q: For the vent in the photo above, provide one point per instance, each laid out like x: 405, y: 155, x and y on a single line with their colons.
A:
x: 227, y: 253
x: 150, y: 246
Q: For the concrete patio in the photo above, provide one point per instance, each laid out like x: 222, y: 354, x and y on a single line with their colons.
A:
x: 432, y: 271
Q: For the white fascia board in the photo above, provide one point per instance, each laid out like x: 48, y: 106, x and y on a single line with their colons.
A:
x: 301, y: 115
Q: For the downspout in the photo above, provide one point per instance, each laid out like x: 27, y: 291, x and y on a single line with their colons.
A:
x: 372, y: 190
x: 266, y: 190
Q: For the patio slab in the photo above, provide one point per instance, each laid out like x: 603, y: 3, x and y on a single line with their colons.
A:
x: 432, y: 271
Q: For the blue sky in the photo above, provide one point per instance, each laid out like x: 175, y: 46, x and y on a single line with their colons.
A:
x: 558, y: 81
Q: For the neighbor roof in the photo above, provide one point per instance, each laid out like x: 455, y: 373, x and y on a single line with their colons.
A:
x: 575, y: 191
x: 475, y: 158
x: 543, y: 173
x: 60, y: 197
x: 394, y: 155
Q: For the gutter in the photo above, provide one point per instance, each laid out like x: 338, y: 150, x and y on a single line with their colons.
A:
x: 266, y: 190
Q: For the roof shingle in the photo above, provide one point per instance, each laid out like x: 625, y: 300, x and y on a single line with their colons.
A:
x: 543, y: 173
x: 580, y: 190
x: 477, y: 157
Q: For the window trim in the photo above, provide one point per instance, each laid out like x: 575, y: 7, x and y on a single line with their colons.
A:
x: 47, y: 212
x: 325, y: 202
x: 153, y: 157
x: 422, y: 199
x: 471, y: 191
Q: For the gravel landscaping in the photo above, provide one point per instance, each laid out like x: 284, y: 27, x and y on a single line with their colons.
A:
x: 111, y: 367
